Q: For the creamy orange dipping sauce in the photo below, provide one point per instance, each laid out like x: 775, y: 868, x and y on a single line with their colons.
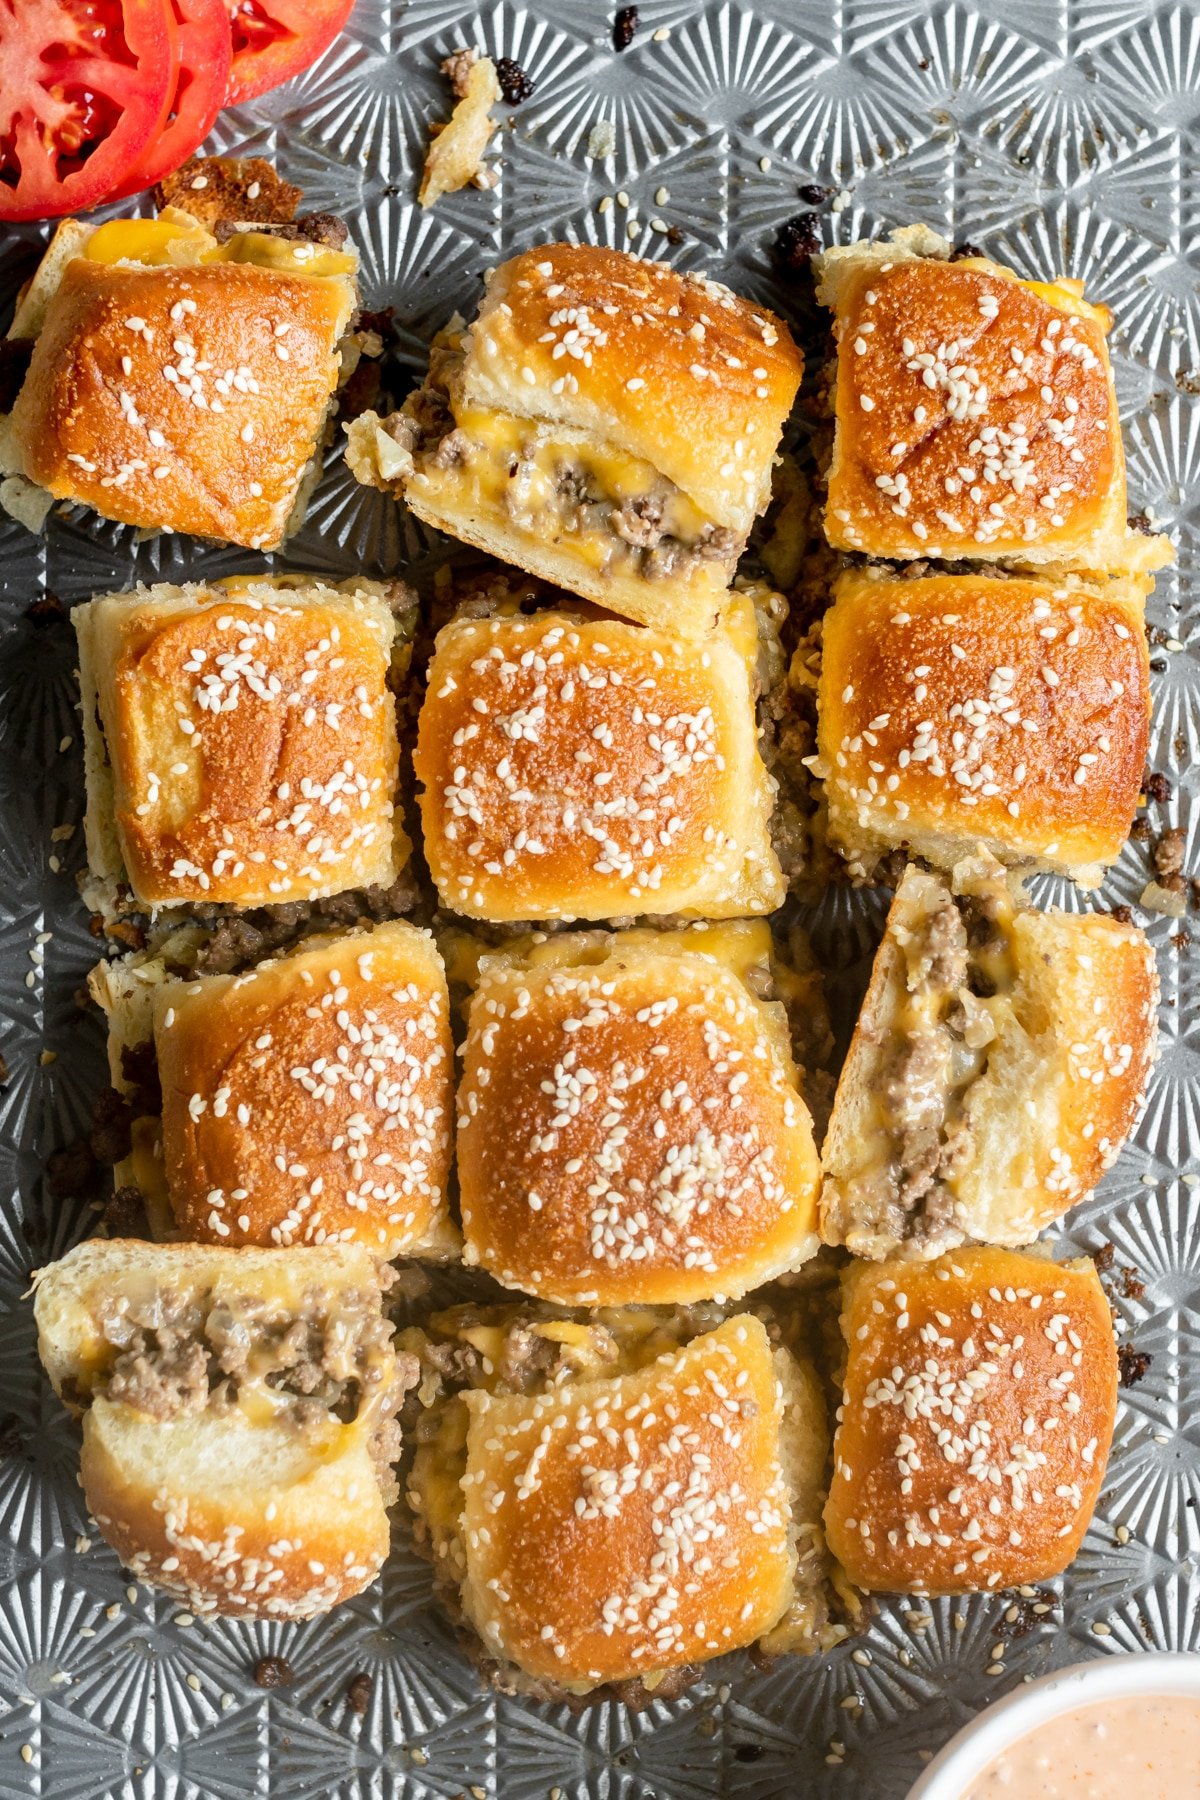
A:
x: 1143, y: 1748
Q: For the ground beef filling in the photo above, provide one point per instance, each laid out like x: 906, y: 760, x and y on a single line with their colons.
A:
x: 641, y: 539
x: 939, y: 1053
x: 181, y: 1353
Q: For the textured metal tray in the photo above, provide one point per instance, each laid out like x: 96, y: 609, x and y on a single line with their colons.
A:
x: 1058, y: 134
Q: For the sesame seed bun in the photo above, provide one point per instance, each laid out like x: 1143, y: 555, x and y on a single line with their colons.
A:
x: 587, y: 768
x: 240, y: 1510
x: 217, y: 448
x: 310, y: 1100
x: 607, y: 424
x: 619, y: 1528
x: 958, y: 711
x: 977, y: 1413
x: 995, y: 1071
x: 975, y: 412
x: 630, y: 1127
x: 240, y: 747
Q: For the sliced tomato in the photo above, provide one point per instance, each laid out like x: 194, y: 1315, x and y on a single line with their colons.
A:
x: 274, y: 39
x: 84, y: 84
x: 201, y: 54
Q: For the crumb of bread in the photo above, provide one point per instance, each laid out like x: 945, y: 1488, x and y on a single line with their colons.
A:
x: 229, y: 187
x: 456, y: 154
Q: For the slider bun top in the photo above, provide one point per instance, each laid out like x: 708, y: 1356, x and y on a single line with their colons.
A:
x: 621, y: 1527
x: 977, y: 1413
x: 581, y: 767
x: 216, y: 447
x: 976, y: 413
x: 670, y: 367
x: 957, y: 710
x: 310, y: 1100
x: 629, y: 1123
x: 238, y: 1511
x: 251, y: 743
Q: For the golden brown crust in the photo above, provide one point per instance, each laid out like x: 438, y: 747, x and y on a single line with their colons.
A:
x: 252, y: 355
x: 284, y: 792
x: 668, y: 366
x: 310, y: 1101
x: 976, y: 1419
x: 582, y: 768
x: 627, y: 1526
x: 310, y: 1539
x: 246, y: 188
x: 630, y: 1130
x: 959, y: 710
x: 976, y: 417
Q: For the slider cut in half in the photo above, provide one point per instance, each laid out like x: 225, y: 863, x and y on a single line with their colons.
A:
x: 238, y: 1416
x: 177, y: 380
x: 630, y: 1125
x: 610, y: 1502
x: 977, y: 1412
x: 240, y: 741
x: 975, y: 413
x: 308, y: 1101
x: 995, y: 1071
x: 606, y: 423
x: 579, y: 767
x: 958, y: 711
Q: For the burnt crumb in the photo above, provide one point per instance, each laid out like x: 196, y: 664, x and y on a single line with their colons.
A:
x: 1140, y: 521
x: 1180, y: 744
x: 83, y: 1000
x: 1123, y: 913
x: 5, y: 1073
x: 1141, y: 830
x: 110, y: 1138
x: 624, y: 26
x: 1168, y: 852
x: 1158, y: 665
x: 11, y: 1442
x: 358, y: 1692
x: 125, y: 1214
x: 814, y: 194
x: 1025, y: 1612
x: 360, y: 392
x: 1157, y: 788
x: 748, y: 1753
x: 797, y: 241
x: 1188, y: 381
x: 1180, y: 940
x: 273, y: 1672
x: 1132, y: 1364
x: 49, y: 610
x: 674, y: 235
x: 382, y: 322
x: 515, y: 84
x: 1103, y: 1258
x: 1157, y: 635
x: 71, y: 1172
x: 139, y: 1069
x: 962, y: 251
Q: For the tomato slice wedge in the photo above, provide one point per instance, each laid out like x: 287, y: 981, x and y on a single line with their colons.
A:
x: 202, y: 52
x: 83, y: 86
x: 274, y: 39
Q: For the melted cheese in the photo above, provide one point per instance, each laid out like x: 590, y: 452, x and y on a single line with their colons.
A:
x: 177, y: 239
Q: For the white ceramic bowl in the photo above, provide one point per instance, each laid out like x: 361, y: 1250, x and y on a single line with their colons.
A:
x: 968, y: 1754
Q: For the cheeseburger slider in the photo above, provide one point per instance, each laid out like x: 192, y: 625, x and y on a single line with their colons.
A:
x: 240, y: 741
x: 607, y: 424
x: 975, y: 413
x: 995, y: 1071
x: 609, y: 1502
x: 177, y: 379
x: 977, y: 1412
x: 630, y: 1121
x: 572, y: 765
x: 238, y: 1416
x: 965, y: 711
x: 306, y: 1101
